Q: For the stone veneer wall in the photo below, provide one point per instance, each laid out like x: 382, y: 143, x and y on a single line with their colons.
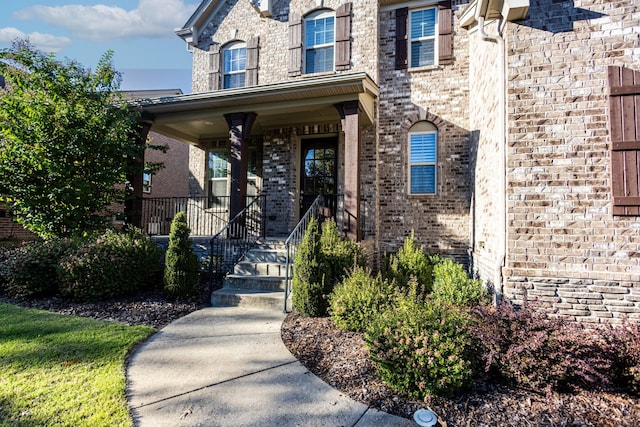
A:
x: 565, y: 246
x: 440, y: 222
x: 240, y: 21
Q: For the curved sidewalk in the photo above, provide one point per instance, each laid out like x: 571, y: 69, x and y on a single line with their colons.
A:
x: 227, y: 366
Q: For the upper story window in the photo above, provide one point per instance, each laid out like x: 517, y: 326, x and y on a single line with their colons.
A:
x: 423, y: 158
x: 319, y: 36
x: 234, y: 65
x: 422, y: 37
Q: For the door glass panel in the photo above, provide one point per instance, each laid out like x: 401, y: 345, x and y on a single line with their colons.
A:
x: 319, y: 173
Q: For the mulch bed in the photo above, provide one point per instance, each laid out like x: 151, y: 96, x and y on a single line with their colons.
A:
x: 341, y: 359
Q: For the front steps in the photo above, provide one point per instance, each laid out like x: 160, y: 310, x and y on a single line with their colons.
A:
x: 258, y: 279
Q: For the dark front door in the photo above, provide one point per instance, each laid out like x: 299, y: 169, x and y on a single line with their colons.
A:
x: 319, y: 171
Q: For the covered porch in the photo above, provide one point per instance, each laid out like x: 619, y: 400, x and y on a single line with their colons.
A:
x: 283, y: 143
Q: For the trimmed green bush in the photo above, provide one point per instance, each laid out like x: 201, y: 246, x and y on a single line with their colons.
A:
x: 452, y: 285
x: 421, y: 347
x: 182, y: 268
x: 411, y: 261
x: 115, y: 264
x: 30, y: 271
x: 308, y: 288
x: 358, y: 299
x: 338, y: 256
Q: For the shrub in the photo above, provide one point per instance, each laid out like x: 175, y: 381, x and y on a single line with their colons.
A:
x: 623, y: 343
x: 114, y: 264
x: 338, y: 255
x: 358, y: 299
x: 31, y: 270
x: 411, y: 261
x: 421, y: 347
x: 182, y: 268
x: 452, y: 285
x: 529, y: 349
x: 308, y: 286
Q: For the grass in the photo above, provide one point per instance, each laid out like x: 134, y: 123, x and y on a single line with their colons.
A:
x: 58, y: 370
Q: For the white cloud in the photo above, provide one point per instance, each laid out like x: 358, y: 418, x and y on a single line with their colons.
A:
x: 152, y: 18
x: 44, y: 42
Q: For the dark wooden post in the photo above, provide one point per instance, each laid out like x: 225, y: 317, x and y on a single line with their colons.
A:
x: 239, y: 132
x: 350, y: 113
x: 133, y: 201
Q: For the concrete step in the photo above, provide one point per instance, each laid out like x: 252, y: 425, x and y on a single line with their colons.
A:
x: 257, y: 283
x: 230, y: 297
x: 252, y: 268
x: 266, y: 255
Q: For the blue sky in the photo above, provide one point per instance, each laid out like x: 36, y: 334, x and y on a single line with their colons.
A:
x: 140, y: 32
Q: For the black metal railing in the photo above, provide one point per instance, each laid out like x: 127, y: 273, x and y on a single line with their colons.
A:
x: 293, y: 241
x: 235, y: 239
x: 205, y: 215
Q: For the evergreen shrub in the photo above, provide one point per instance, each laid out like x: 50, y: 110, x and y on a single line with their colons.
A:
x: 182, y: 268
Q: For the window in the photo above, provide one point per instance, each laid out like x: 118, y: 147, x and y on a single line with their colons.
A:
x: 423, y: 159
x: 146, y: 182
x: 422, y: 37
x: 218, y: 182
x: 234, y: 65
x: 219, y: 174
x: 319, y: 38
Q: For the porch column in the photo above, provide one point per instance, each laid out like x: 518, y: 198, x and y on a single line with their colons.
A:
x: 239, y: 132
x: 133, y: 200
x: 349, y: 114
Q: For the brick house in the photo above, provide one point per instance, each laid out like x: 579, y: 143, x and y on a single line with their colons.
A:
x: 504, y: 133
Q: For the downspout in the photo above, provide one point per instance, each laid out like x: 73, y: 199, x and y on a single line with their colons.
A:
x: 502, y: 101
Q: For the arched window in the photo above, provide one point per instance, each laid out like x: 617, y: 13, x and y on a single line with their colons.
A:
x: 234, y: 64
x: 319, y: 37
x: 423, y: 158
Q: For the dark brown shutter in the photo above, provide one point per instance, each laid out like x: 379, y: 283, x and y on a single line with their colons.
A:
x: 401, y: 38
x: 214, y: 67
x: 295, y: 44
x: 624, y: 128
x: 343, y: 37
x: 251, y: 74
x: 445, y: 42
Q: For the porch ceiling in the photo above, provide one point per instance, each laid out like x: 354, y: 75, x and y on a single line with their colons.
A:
x: 194, y: 117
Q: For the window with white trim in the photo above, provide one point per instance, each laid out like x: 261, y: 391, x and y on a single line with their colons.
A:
x: 423, y: 158
x: 234, y: 65
x: 423, y: 24
x: 319, y: 37
x: 218, y: 177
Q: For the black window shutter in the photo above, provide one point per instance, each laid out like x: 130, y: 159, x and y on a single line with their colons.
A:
x: 401, y: 38
x: 251, y: 74
x: 445, y: 30
x: 295, y: 44
x: 214, y: 67
x: 343, y: 37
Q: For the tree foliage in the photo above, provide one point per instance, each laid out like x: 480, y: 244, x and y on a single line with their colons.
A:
x: 66, y: 141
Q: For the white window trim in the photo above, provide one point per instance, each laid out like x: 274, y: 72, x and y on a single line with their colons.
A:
x: 434, y: 164
x: 228, y: 47
x: 146, y: 186
x: 320, y: 14
x: 435, y: 39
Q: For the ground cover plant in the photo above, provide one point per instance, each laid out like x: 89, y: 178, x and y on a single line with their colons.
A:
x: 59, y: 370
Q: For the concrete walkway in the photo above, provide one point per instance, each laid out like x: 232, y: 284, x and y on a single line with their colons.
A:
x: 227, y: 366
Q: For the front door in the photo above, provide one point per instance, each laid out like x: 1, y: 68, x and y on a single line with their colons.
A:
x: 319, y: 171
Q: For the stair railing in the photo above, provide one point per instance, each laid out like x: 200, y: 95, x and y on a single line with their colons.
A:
x: 236, y: 238
x: 293, y: 241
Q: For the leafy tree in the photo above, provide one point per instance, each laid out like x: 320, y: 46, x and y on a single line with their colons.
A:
x: 66, y: 141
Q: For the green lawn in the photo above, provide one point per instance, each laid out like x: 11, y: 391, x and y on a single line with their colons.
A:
x: 60, y: 370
